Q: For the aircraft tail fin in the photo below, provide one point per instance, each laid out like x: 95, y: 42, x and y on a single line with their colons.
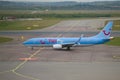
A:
x: 106, y: 31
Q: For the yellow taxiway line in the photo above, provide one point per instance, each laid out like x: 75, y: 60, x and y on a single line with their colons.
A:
x: 14, y: 70
x: 5, y: 71
x: 17, y: 67
x: 20, y: 65
x: 26, y: 60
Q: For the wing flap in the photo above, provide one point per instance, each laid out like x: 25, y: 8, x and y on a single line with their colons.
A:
x: 67, y: 44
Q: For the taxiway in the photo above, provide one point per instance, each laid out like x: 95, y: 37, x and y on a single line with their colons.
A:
x: 100, y: 62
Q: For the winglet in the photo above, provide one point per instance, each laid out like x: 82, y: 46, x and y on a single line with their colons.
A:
x: 77, y: 42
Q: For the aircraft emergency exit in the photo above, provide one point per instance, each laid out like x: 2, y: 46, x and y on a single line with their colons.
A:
x: 65, y: 42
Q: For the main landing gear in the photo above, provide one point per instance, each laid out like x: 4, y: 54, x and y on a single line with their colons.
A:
x: 68, y: 48
x: 32, y: 48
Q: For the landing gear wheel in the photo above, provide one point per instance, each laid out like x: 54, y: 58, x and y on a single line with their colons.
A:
x: 68, y: 48
x: 32, y: 48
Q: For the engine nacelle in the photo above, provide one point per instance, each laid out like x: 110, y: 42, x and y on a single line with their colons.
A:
x: 57, y: 46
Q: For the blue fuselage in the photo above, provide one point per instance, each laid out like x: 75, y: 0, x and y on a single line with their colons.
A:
x: 52, y: 41
x: 59, y: 43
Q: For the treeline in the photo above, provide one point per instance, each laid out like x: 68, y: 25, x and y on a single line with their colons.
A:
x: 68, y: 5
x: 53, y: 15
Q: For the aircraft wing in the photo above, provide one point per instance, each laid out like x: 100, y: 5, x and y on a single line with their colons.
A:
x: 67, y: 44
x: 73, y: 43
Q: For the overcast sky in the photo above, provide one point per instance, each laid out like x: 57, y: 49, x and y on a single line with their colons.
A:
x: 57, y: 0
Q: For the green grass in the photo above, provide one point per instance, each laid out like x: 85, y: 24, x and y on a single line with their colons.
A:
x: 4, y: 39
x: 113, y: 12
x: 116, y: 25
x: 27, y: 25
x: 51, y: 17
x: 114, y: 42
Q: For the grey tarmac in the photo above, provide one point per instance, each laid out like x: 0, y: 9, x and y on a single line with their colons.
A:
x: 99, y: 62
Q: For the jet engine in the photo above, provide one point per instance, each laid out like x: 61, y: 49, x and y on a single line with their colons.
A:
x: 57, y: 46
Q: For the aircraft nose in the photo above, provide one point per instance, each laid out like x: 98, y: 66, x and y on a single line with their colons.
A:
x: 25, y: 42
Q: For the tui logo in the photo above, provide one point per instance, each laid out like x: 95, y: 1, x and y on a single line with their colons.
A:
x: 106, y: 33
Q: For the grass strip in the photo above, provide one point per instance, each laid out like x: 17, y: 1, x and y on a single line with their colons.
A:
x: 114, y: 42
x: 5, y: 39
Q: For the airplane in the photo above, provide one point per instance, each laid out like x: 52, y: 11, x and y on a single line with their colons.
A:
x: 68, y: 42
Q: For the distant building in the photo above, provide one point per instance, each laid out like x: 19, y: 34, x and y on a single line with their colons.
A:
x: 30, y: 19
x: 9, y: 18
